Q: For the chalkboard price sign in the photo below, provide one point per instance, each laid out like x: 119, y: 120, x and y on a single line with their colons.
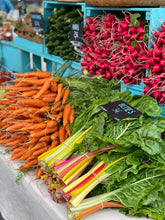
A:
x: 21, y: 7
x: 119, y: 110
x: 37, y: 20
x: 76, y: 32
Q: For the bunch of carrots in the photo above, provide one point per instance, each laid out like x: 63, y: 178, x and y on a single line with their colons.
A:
x: 34, y: 117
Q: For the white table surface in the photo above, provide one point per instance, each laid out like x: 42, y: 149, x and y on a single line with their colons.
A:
x: 30, y: 200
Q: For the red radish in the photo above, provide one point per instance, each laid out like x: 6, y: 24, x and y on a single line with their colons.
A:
x: 156, y: 67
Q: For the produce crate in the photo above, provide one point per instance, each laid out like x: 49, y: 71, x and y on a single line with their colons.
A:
x: 30, y: 45
x: 152, y: 14
x: 48, y: 7
x: 54, y: 62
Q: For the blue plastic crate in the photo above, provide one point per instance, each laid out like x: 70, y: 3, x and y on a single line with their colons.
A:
x: 133, y: 88
x: 29, y: 45
x: 48, y: 7
x: 55, y: 62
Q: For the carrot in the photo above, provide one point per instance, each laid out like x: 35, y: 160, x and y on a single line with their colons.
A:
x: 39, y: 173
x: 40, y: 151
x: 55, y: 106
x: 59, y: 116
x: 43, y: 89
x: 54, y: 136
x: 46, y: 139
x: 17, y: 155
x: 15, y: 127
x: 72, y: 116
x: 17, y: 80
x: 66, y: 115
x: 53, y: 144
x: 40, y: 133
x: 38, y: 126
x: 51, y: 123
x: 44, y: 109
x: 19, y: 74
x: 31, y: 102
x: 39, y: 74
x: 38, y: 146
x: 30, y: 93
x: 59, y: 91
x: 35, y: 118
x: 49, y: 94
x: 65, y: 96
x: 26, y: 155
x: 66, y: 135
x: 53, y: 85
x: 18, y: 149
x: 18, y: 88
x: 61, y: 134
x: 58, y: 109
x: 48, y: 99
x: 67, y: 129
x: 29, y: 164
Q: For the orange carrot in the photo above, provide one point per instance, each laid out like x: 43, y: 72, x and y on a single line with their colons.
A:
x: 43, y: 89
x: 58, y: 109
x: 51, y: 123
x: 54, y: 136
x: 59, y: 91
x: 53, y: 85
x: 18, y: 88
x: 38, y: 126
x: 46, y: 139
x: 15, y: 127
x: 17, y: 80
x: 72, y: 116
x: 67, y: 129
x: 46, y: 131
x: 26, y: 155
x: 48, y: 99
x: 39, y: 74
x: 38, y: 146
x: 53, y: 144
x: 29, y: 164
x: 30, y: 93
x: 61, y: 134
x: 39, y: 173
x: 17, y: 155
x: 43, y: 109
x: 40, y: 151
x: 59, y: 116
x: 55, y: 106
x: 66, y: 135
x: 18, y: 149
x: 65, y: 96
x: 66, y: 115
x: 35, y: 118
x: 19, y: 74
x: 31, y: 102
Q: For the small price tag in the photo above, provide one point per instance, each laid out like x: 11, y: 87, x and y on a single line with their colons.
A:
x: 76, y: 32
x: 37, y: 20
x: 21, y: 7
x: 119, y: 110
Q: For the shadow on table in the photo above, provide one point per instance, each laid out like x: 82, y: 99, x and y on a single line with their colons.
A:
x: 1, y: 218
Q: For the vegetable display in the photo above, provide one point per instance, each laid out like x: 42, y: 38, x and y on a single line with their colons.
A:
x: 115, y: 160
x: 34, y: 116
x: 57, y: 38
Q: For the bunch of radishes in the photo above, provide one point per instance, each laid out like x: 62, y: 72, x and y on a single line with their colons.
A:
x: 115, y: 48
x: 155, y: 82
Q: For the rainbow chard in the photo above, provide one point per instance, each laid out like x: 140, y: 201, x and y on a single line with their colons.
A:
x: 141, y: 194
x: 78, y: 189
x: 71, y: 169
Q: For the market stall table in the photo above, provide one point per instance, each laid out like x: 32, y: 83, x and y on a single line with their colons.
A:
x: 30, y: 200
